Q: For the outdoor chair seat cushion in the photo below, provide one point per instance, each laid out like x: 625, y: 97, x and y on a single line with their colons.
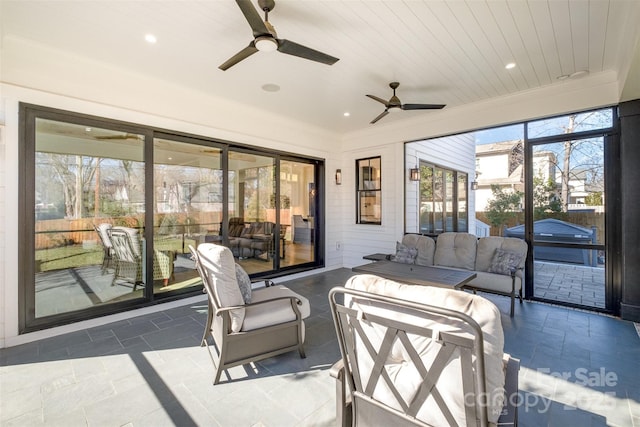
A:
x: 273, y: 313
x: 494, y: 282
x: 402, y: 370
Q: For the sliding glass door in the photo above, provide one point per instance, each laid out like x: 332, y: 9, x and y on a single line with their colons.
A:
x: 87, y: 180
x: 110, y: 211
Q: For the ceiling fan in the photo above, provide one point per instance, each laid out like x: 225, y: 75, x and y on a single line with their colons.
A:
x: 265, y: 38
x: 394, y: 104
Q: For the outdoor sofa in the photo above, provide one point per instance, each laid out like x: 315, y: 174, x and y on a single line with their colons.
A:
x: 497, y: 261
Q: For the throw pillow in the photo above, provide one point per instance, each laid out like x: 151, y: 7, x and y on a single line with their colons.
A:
x: 405, y: 254
x: 504, y: 262
x: 244, y: 283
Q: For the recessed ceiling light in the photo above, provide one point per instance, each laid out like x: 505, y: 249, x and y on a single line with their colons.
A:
x: 150, y: 38
x: 87, y: 129
x: 270, y: 87
x: 346, y: 114
x: 510, y: 65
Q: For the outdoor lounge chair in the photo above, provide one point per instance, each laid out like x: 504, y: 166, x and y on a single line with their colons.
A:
x: 128, y: 259
x: 103, y: 231
x: 405, y: 363
x: 243, y: 332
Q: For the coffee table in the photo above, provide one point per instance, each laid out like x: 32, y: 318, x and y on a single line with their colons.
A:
x: 417, y: 274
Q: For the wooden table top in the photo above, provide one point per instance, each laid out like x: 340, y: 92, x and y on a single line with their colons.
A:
x: 417, y: 274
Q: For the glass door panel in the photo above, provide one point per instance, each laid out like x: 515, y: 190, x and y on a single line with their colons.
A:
x: 87, y: 181
x: 568, y: 227
x: 251, y: 226
x: 438, y: 198
x: 449, y: 211
x: 187, y: 210
x: 426, y: 199
x: 297, y: 234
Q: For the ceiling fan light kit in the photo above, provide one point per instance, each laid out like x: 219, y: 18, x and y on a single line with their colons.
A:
x: 266, y: 44
x: 265, y: 38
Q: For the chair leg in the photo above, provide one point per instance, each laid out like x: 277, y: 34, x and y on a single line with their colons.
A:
x: 207, y: 328
x: 513, y: 300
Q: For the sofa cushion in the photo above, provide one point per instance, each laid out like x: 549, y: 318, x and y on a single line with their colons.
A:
x: 218, y: 262
x: 405, y: 254
x: 495, y: 282
x: 505, y: 262
x: 456, y: 250
x: 398, y: 365
x: 487, y: 247
x: 425, y: 245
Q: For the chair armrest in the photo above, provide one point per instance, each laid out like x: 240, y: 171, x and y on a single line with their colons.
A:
x: 337, y: 370
x: 344, y: 410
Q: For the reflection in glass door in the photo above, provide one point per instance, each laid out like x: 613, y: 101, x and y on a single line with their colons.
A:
x: 298, y: 214
x: 568, y: 221
x: 187, y: 210
x: 251, y: 222
x: 88, y: 181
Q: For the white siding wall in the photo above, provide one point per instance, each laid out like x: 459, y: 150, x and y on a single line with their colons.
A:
x: 453, y: 152
x: 3, y: 226
x: 362, y: 239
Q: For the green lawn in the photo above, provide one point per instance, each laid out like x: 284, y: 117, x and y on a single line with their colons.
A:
x: 67, y: 257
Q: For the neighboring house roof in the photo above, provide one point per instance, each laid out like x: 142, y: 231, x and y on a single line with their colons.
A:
x: 496, y: 148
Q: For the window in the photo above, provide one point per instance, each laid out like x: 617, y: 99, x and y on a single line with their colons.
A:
x: 443, y: 199
x: 369, y: 191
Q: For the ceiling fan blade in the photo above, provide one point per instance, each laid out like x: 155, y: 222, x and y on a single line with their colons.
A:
x: 423, y: 106
x: 295, y: 49
x: 384, y: 113
x: 253, y: 18
x: 243, y: 54
x: 382, y: 101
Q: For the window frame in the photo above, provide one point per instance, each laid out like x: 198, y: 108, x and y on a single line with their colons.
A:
x: 455, y: 197
x: 363, y: 193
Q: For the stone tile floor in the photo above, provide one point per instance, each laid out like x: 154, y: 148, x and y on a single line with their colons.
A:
x: 576, y: 284
x: 577, y: 369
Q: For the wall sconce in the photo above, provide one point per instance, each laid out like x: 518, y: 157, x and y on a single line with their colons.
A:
x: 474, y: 185
x: 414, y: 174
x: 338, y: 177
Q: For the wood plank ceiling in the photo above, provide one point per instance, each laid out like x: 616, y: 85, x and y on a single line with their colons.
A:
x: 452, y: 52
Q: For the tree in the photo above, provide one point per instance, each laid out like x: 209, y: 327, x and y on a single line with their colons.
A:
x: 594, y: 199
x: 545, y: 198
x: 503, y: 206
x: 581, y: 159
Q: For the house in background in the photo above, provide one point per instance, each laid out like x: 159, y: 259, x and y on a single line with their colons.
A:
x: 500, y: 164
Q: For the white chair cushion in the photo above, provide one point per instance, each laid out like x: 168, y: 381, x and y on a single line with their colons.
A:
x: 495, y: 282
x: 449, y: 385
x: 272, y: 313
x: 218, y: 262
x: 456, y: 250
